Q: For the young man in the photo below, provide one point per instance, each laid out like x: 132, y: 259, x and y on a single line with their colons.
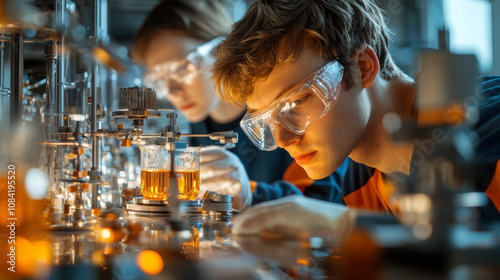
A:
x: 175, y: 43
x: 317, y: 79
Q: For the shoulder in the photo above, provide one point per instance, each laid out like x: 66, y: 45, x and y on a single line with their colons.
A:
x: 488, y: 124
x: 354, y: 175
x: 488, y: 97
x: 489, y: 83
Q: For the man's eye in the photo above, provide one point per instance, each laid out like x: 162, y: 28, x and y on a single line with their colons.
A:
x: 181, y: 69
x: 302, y: 100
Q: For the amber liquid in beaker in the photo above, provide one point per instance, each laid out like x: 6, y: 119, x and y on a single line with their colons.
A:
x: 154, y: 184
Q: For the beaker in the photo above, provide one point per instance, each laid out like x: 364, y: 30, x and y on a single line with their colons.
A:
x: 155, y: 169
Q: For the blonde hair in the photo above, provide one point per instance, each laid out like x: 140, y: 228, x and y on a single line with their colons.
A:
x: 200, y: 19
x: 273, y: 33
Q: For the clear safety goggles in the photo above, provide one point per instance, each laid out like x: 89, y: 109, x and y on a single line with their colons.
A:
x: 296, y: 110
x: 182, y: 70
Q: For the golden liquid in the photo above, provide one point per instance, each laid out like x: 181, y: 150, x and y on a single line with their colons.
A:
x: 191, y: 248
x: 154, y: 184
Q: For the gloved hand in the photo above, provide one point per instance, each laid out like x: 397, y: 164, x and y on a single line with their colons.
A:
x: 222, y: 171
x: 293, y: 215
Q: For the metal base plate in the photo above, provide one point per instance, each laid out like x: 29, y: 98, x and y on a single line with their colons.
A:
x: 155, y: 208
x: 144, y: 201
x: 133, y: 114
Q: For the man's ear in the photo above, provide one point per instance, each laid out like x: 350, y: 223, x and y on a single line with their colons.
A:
x: 369, y: 66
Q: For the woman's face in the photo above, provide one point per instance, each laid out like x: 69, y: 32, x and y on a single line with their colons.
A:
x: 194, y: 99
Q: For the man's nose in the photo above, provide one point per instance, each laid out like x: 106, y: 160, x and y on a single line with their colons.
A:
x: 284, y: 136
x: 174, y: 87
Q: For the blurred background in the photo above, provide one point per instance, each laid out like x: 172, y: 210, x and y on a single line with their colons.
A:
x: 473, y: 27
x: 73, y: 143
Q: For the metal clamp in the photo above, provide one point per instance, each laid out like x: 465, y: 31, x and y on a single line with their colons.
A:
x: 218, y: 205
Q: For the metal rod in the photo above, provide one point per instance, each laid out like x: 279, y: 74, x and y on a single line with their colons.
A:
x: 194, y: 135
x: 60, y: 161
x: 61, y: 21
x: 94, y: 126
x: 173, y: 184
x: 151, y: 135
x: 16, y: 80
x: 94, y: 11
x: 51, y: 162
x: 60, y: 85
x: 51, y: 90
x: 2, y: 48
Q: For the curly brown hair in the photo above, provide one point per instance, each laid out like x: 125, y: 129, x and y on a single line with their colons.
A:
x: 272, y: 32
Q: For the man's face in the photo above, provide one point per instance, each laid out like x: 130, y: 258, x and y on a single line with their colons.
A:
x: 330, y: 140
x: 194, y: 100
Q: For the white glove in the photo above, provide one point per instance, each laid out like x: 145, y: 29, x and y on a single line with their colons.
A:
x: 222, y: 171
x: 295, y: 215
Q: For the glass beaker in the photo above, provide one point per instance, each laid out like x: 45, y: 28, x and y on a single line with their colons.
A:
x: 155, y: 169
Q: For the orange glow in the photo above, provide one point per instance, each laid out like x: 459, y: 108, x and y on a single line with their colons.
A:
x: 303, y: 262
x: 26, y: 260
x: 191, y: 248
x: 97, y: 257
x: 33, y: 257
x: 453, y: 114
x: 105, y: 58
x: 70, y: 156
x: 42, y: 251
x: 25, y: 208
x: 30, y: 259
x: 107, y: 235
x: 150, y: 262
x: 101, y: 55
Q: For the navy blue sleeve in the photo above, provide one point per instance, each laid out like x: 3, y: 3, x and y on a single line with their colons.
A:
x: 264, y: 191
x: 487, y: 146
x: 329, y: 188
x: 489, y: 212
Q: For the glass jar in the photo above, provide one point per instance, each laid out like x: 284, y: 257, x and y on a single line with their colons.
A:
x: 155, y: 170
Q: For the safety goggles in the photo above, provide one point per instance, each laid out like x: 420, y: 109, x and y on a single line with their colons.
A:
x: 182, y: 70
x: 296, y: 110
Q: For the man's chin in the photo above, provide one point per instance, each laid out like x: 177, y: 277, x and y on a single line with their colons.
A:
x: 316, y: 172
x: 195, y: 117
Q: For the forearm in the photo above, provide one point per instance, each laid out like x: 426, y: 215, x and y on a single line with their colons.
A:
x: 265, y: 192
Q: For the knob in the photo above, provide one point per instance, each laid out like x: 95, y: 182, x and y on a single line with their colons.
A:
x: 137, y: 98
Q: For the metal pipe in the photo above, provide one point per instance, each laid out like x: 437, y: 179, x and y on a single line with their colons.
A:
x: 51, y: 91
x: 173, y: 184
x: 94, y: 126
x: 61, y: 21
x: 50, y: 117
x: 16, y: 80
x: 94, y: 24
x: 2, y: 48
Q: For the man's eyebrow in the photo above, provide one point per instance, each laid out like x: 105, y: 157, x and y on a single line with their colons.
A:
x: 282, y: 92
